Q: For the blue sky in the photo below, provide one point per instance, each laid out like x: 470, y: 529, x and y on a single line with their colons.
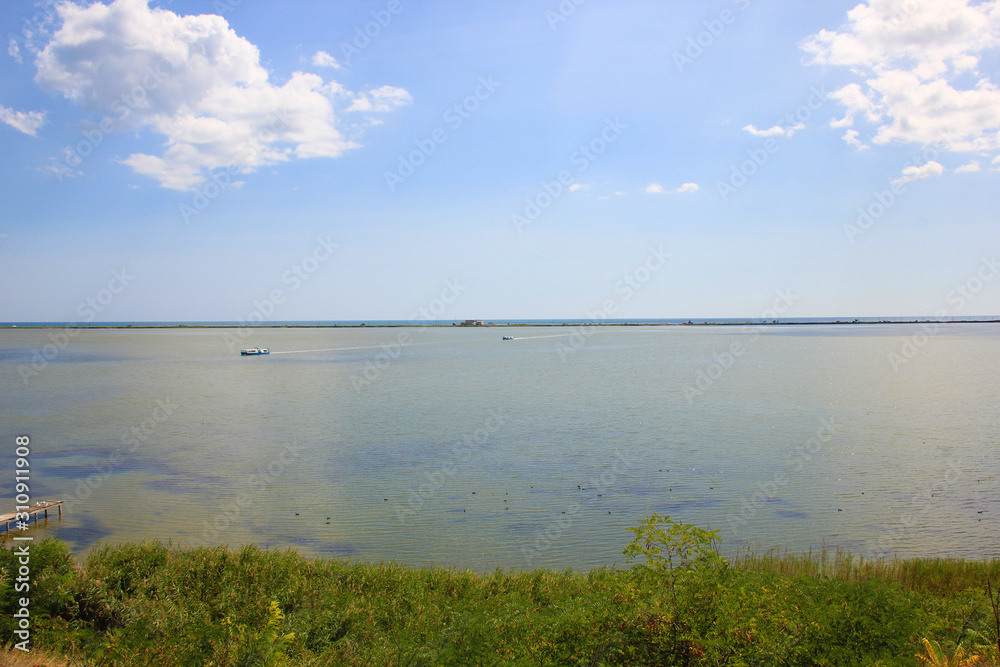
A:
x: 744, y: 138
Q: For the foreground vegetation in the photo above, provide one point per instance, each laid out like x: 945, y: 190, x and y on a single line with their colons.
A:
x: 682, y: 604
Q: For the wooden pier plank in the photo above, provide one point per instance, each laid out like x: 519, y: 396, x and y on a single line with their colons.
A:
x: 43, y: 506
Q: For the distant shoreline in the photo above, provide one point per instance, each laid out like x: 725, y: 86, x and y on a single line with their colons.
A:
x: 456, y: 325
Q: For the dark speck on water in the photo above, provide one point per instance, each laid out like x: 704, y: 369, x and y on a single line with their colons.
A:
x: 191, y: 467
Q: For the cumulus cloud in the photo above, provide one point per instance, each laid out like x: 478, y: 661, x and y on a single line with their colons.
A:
x: 23, y: 121
x: 654, y: 189
x: 918, y: 65
x: 775, y: 131
x: 855, y: 100
x: 324, y: 59
x: 197, y: 83
x: 914, y: 173
x: 970, y: 168
x: 687, y: 187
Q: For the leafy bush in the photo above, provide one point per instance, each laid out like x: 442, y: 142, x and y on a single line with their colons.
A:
x: 682, y: 604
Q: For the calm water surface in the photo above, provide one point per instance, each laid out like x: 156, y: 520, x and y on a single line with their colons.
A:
x: 453, y: 447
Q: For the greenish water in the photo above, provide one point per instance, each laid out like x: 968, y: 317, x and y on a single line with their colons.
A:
x: 441, y: 446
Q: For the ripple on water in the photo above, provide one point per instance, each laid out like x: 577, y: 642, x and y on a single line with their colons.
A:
x: 682, y: 505
x: 317, y: 544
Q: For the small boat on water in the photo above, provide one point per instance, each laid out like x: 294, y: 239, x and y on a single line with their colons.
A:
x: 254, y: 351
x: 508, y: 338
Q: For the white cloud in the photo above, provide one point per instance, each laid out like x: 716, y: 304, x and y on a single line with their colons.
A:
x: 23, y: 121
x: 619, y: 192
x: 911, y: 57
x: 854, y: 99
x: 657, y: 189
x: 970, y: 168
x: 381, y: 99
x: 324, y: 59
x: 775, y: 131
x: 914, y: 173
x: 851, y: 137
x: 578, y: 186
x: 197, y: 83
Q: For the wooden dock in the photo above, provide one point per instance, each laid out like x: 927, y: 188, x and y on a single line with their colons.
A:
x: 42, y: 508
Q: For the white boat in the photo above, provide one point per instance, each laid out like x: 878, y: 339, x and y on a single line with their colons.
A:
x: 254, y: 351
x: 508, y: 338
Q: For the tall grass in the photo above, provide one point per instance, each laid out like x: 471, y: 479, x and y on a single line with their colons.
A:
x: 941, y: 576
x: 12, y: 657
x: 141, y: 604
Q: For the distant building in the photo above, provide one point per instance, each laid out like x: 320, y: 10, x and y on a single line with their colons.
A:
x: 471, y: 323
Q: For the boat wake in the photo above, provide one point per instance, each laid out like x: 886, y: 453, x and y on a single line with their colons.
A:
x: 360, y: 347
x: 549, y: 336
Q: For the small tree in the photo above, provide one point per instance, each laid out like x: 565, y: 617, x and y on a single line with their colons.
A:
x: 671, y: 546
x: 674, y: 550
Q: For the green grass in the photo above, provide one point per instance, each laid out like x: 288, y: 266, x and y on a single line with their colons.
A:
x: 142, y: 604
x: 941, y: 576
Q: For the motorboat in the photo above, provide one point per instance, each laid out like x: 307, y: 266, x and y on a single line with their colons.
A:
x: 253, y: 351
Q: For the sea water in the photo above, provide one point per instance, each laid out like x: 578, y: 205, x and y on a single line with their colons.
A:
x: 450, y: 446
